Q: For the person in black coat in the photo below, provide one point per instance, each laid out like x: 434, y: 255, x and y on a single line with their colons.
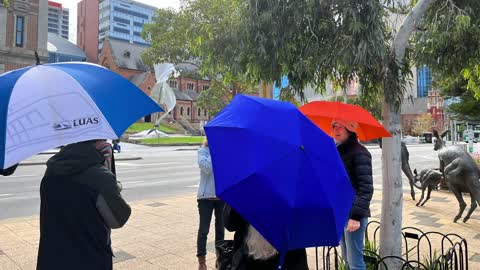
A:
x: 80, y: 204
x: 358, y: 164
x: 265, y: 257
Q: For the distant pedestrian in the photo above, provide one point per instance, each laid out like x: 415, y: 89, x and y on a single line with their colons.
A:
x: 253, y: 252
x: 116, y: 146
x: 80, y: 204
x: 358, y: 163
x: 207, y: 204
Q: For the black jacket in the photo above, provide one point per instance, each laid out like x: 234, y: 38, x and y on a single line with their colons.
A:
x: 8, y: 171
x: 294, y: 260
x: 358, y: 163
x: 80, y: 203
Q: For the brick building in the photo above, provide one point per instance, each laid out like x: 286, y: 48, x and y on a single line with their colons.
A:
x: 23, y: 30
x: 124, y: 59
x: 187, y: 88
x: 87, y: 28
x: 436, y: 107
x: 410, y: 112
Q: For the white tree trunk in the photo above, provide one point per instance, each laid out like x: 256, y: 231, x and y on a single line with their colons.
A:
x: 392, y: 199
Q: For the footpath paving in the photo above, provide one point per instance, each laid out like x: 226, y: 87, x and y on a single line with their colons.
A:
x: 161, y: 234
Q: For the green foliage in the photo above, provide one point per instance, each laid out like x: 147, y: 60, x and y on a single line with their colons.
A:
x: 449, y: 44
x: 372, y: 105
x: 251, y: 40
x: 6, y: 3
x: 431, y: 264
x: 138, y: 127
x: 219, y: 94
x: 468, y: 108
x: 194, y: 140
x: 166, y: 34
x: 342, y: 264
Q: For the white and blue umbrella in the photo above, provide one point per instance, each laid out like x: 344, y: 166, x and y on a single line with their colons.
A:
x: 46, y: 106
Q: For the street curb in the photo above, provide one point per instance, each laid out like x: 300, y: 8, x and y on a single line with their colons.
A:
x: 36, y: 163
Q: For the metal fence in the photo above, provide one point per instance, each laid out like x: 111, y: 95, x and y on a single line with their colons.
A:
x: 420, y: 251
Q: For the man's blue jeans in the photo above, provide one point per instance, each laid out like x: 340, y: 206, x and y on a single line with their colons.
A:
x: 352, y: 246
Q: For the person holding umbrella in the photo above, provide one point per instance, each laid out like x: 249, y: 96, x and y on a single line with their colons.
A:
x: 80, y: 204
x: 358, y: 163
x: 207, y: 204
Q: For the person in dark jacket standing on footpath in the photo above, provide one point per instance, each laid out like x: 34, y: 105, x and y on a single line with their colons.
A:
x: 358, y: 164
x: 207, y: 204
x: 80, y: 203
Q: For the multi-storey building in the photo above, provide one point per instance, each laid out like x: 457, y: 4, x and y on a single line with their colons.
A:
x: 424, y: 81
x: 113, y: 19
x: 123, y: 20
x: 58, y: 19
x: 23, y: 30
x: 87, y: 28
x: 436, y: 107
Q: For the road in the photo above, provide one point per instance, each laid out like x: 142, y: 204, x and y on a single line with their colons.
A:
x: 161, y: 172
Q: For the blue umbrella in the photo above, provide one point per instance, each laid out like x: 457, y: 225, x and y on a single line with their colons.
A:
x: 280, y: 172
x: 50, y: 105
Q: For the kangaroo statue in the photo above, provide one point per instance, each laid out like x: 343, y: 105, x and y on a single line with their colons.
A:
x: 406, y: 167
x: 460, y: 172
x: 429, y: 179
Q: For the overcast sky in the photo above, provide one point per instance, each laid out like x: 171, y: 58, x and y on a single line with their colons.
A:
x: 72, y: 5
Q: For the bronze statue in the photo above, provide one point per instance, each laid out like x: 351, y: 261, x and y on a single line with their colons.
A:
x: 406, y: 167
x: 460, y: 172
x: 429, y: 179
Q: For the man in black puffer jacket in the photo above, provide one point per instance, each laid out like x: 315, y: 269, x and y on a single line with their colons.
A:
x: 80, y: 203
x: 358, y: 163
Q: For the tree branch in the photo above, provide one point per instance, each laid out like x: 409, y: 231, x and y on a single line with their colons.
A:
x: 408, y: 26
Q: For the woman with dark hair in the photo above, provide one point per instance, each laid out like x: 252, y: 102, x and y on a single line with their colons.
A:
x: 252, y: 251
x: 358, y: 163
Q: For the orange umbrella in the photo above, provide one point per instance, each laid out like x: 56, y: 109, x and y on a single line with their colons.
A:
x: 323, y: 113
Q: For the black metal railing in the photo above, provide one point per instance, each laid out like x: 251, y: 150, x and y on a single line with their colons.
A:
x: 421, y: 251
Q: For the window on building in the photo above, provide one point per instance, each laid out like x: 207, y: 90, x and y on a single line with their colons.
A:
x: 188, y: 111
x: 424, y: 81
x: 205, y: 113
x: 205, y: 87
x: 173, y: 84
x: 199, y: 113
x: 121, y: 30
x: 52, y: 20
x: 181, y: 110
x: 170, y: 113
x: 121, y: 20
x: 19, y: 31
x: 129, y: 12
x: 138, y: 24
x: 190, y: 86
x: 137, y: 34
